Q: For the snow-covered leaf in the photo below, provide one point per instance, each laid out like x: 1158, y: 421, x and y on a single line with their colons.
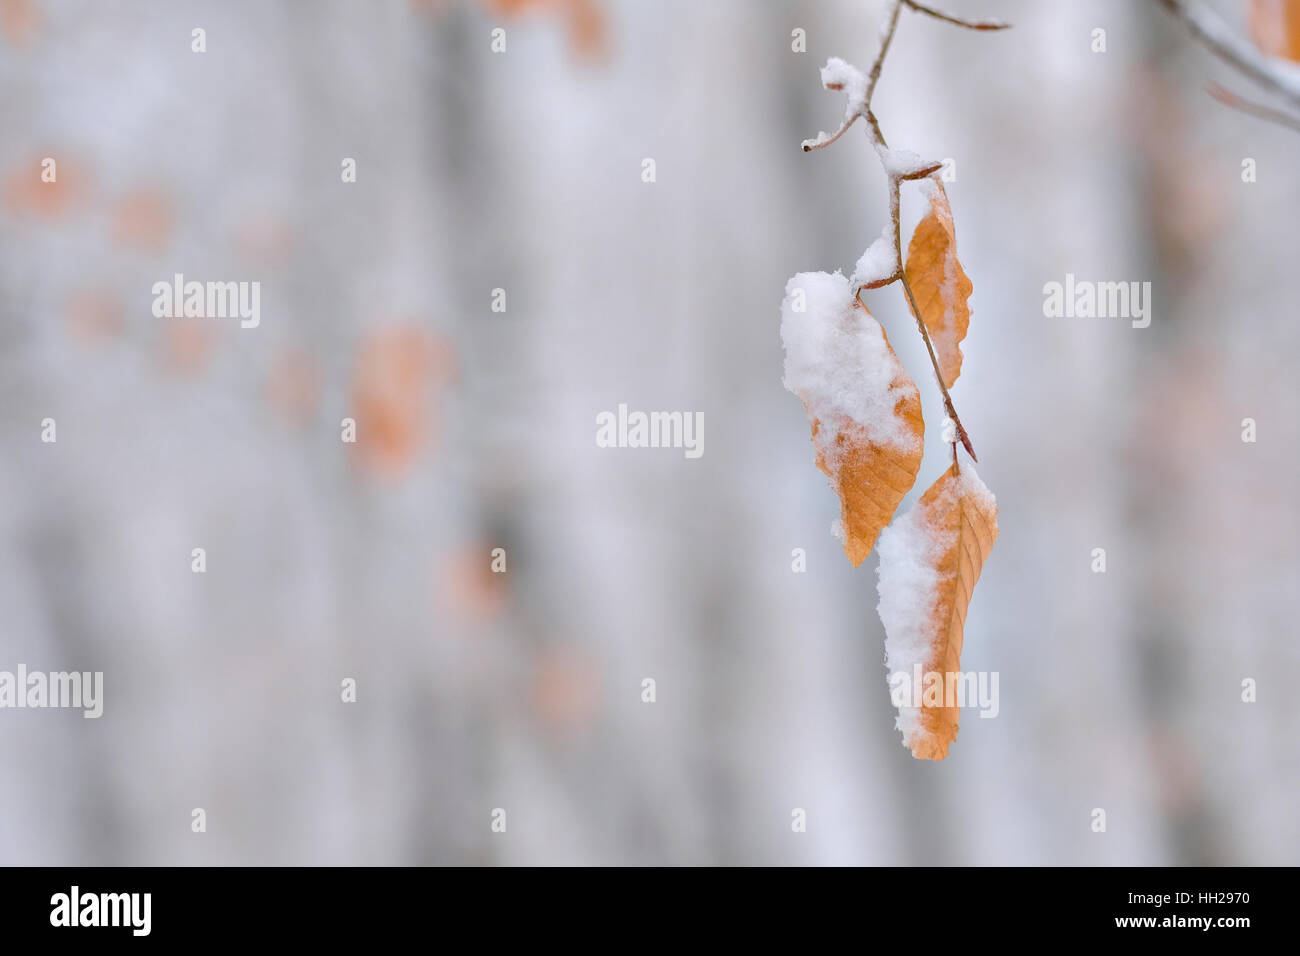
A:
x: 930, y: 560
x: 865, y: 409
x: 878, y: 264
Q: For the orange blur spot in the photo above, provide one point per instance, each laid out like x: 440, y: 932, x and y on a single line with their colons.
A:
x: 143, y: 219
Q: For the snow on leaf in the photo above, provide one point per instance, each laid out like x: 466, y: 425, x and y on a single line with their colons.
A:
x: 930, y: 560
x: 865, y: 409
x: 878, y: 264
x: 905, y: 164
x: 937, y: 280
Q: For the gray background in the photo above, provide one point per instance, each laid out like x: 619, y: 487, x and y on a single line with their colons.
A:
x: 522, y: 691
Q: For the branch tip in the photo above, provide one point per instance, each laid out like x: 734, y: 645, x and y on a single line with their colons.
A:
x: 983, y: 23
x: 1230, y: 99
x: 1214, y: 34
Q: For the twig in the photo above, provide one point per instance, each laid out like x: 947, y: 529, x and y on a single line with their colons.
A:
x: 900, y: 275
x: 890, y: 21
x: 980, y: 24
x: 810, y: 144
x: 947, y: 399
x: 1228, y: 98
x: 897, y: 176
x: 1216, y: 37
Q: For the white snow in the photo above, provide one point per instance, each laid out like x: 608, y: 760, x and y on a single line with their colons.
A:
x: 821, y: 138
x: 879, y: 262
x: 930, y: 190
x: 837, y: 74
x: 909, y: 585
x: 899, y: 163
x: 838, y: 362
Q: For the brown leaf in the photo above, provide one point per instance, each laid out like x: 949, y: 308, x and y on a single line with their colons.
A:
x: 394, y: 396
x: 585, y: 21
x: 930, y: 560
x: 865, y: 409
x: 872, y: 478
x: 938, y: 282
x: 19, y: 21
x: 1275, y: 27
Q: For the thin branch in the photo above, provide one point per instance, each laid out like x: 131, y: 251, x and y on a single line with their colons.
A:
x: 823, y: 141
x: 947, y: 399
x: 895, y: 210
x: 983, y: 23
x: 1228, y: 98
x: 889, y: 21
x: 876, y: 135
x: 1216, y: 37
x: 897, y: 176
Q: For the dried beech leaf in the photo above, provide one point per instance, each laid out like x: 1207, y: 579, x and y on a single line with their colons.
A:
x: 930, y: 560
x: 865, y: 409
x: 938, y: 282
x: 871, y: 479
x: 1275, y: 27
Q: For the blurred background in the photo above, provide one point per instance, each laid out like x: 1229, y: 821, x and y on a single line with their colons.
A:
x: 522, y: 171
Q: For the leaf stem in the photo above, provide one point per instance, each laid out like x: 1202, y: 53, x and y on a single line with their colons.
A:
x: 947, y: 399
